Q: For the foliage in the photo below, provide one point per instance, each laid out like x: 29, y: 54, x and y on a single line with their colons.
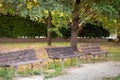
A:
x: 66, y: 32
x: 38, y: 9
x: 93, y: 31
x: 101, y: 11
x: 104, y: 12
x: 15, y: 26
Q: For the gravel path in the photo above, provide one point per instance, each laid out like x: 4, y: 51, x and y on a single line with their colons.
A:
x: 91, y: 71
x: 88, y: 72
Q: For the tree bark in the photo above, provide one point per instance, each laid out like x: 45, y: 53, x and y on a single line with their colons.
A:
x: 118, y: 39
x: 48, y: 29
x: 118, y: 35
x: 118, y: 30
x: 75, y: 26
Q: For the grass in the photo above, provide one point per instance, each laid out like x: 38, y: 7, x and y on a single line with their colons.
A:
x: 6, y: 74
x: 54, y: 72
x: 112, y: 78
x: 114, y: 55
x: 116, y: 78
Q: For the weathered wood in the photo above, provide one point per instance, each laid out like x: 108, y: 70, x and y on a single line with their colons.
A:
x: 92, y: 49
x: 62, y: 53
x: 19, y: 57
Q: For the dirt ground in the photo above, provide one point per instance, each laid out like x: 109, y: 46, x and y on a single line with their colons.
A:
x: 95, y: 71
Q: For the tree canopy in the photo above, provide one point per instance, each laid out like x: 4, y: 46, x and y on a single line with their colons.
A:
x: 103, y: 11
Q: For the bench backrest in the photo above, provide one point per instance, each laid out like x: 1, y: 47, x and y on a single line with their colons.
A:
x: 56, y: 52
x: 17, y: 56
x: 87, y: 48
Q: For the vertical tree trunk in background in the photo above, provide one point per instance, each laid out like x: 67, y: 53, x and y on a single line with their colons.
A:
x: 48, y: 31
x: 118, y: 35
x: 118, y: 30
x: 75, y: 25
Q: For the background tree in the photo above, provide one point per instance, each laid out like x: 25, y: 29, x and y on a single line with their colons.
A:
x: 38, y: 10
x: 88, y: 11
x: 116, y: 5
x: 76, y: 12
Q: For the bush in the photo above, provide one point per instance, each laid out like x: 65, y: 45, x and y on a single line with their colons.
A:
x: 93, y: 31
x: 16, y: 26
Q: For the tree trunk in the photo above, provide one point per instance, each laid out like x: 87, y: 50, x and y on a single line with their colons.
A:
x: 74, y: 35
x: 118, y: 39
x: 118, y: 29
x: 118, y: 35
x: 48, y: 29
x: 75, y: 26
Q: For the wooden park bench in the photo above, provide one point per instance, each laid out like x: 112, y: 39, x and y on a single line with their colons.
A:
x: 92, y: 49
x: 20, y: 57
x: 62, y: 53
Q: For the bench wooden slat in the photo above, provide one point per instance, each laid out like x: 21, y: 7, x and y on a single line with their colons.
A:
x: 58, y: 52
x: 61, y: 52
x: 18, y: 56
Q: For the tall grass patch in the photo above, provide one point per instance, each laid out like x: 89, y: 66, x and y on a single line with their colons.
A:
x: 6, y: 73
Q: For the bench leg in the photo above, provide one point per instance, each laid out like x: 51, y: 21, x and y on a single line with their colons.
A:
x: 98, y: 56
x: 106, y: 56
x: 15, y: 72
x: 78, y: 61
x: 86, y: 57
x: 62, y: 63
x: 41, y: 72
x: 93, y: 58
x: 32, y: 66
x: 54, y: 63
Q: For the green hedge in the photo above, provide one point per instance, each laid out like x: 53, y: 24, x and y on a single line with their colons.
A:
x: 15, y: 26
x: 93, y: 31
